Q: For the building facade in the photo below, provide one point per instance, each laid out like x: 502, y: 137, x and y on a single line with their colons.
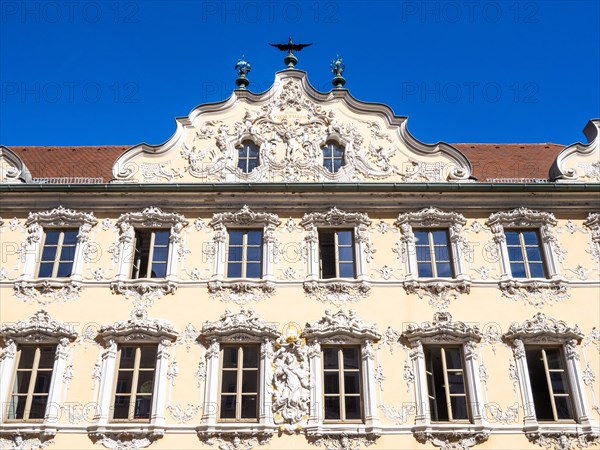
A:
x: 293, y: 269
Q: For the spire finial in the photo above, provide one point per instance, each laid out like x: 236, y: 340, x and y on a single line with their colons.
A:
x: 290, y: 59
x: 338, y: 67
x: 243, y: 68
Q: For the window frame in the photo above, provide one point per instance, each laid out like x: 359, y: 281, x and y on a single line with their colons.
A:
x: 241, y: 145
x: 333, y: 143
x: 444, y: 332
x: 431, y: 246
x: 523, y: 246
x: 244, y: 250
x: 58, y: 254
x: 545, y: 332
x: 138, y: 263
x: 336, y: 251
x: 341, y: 380
x: 38, y: 330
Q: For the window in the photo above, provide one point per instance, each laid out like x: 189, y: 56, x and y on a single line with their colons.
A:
x: 31, y: 386
x: 341, y: 383
x: 333, y: 157
x: 445, y: 384
x: 135, y: 382
x: 239, y: 382
x: 434, y: 257
x: 151, y: 254
x: 549, y: 384
x: 244, y: 258
x: 336, y: 250
x: 58, y: 253
x: 525, y: 254
x: 247, y: 157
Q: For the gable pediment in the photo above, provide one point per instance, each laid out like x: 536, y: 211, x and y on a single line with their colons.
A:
x: 289, y: 124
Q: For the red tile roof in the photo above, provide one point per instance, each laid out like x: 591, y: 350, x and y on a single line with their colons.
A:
x: 490, y: 161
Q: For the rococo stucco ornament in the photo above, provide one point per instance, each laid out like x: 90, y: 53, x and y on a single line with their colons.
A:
x: 125, y: 440
x: 340, y: 324
x: 45, y: 292
x: 38, y: 328
x: 342, y: 441
x: 535, y: 293
x: 452, y: 440
x: 245, y: 325
x: 235, y: 440
x: 564, y: 440
x: 337, y: 293
x: 24, y: 441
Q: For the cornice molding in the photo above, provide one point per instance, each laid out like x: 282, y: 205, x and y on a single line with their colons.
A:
x: 137, y: 328
x: 38, y: 328
x: 340, y: 324
x: 234, y: 326
x: 442, y: 329
x: 542, y: 326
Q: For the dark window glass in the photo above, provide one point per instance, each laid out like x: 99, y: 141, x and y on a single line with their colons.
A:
x: 247, y: 157
x: 434, y: 256
x: 525, y: 254
x: 342, y: 383
x: 239, y: 382
x: 151, y: 254
x: 336, y: 252
x: 333, y: 157
x: 58, y: 253
x: 244, y: 255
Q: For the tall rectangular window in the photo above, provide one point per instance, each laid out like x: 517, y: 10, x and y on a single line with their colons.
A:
x: 244, y: 258
x: 549, y: 384
x: 151, y: 254
x: 239, y: 382
x: 336, y: 251
x: 341, y: 383
x: 135, y: 382
x: 445, y: 384
x: 32, y: 382
x: 525, y: 254
x: 434, y: 257
x: 58, y: 253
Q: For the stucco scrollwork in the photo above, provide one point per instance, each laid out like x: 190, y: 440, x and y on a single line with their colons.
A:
x: 45, y: 292
x: 146, y: 291
x: 340, y: 324
x: 442, y: 329
x: 439, y: 293
x: 125, y: 440
x: 536, y: 293
x: 593, y: 223
x: 399, y: 415
x: 38, y: 328
x: 337, y: 293
x: 342, y: 441
x: 237, y: 440
x: 240, y: 293
x: 564, y: 440
x: 239, y: 326
x: 542, y: 328
x: 183, y: 414
x: 138, y: 327
x: 452, y: 440
x: 24, y: 441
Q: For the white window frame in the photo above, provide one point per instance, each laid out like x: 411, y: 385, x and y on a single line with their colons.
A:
x: 150, y: 218
x: 523, y: 219
x: 240, y: 328
x: 443, y: 331
x: 245, y: 219
x: 336, y: 219
x: 429, y: 219
x: 593, y: 224
x: 543, y: 331
x: 138, y: 330
x: 341, y: 329
x: 39, y: 329
x: 56, y: 219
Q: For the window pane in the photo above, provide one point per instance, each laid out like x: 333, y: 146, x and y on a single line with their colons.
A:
x: 346, y: 253
x: 127, y: 357
x: 235, y: 254
x: 425, y: 270
x: 563, y: 408
x: 537, y: 270
x: 70, y: 237
x: 421, y: 237
x: 512, y: 238
x: 249, y: 403
x: 26, y: 357
x: 160, y: 254
x: 255, y: 237
x: 147, y: 357
x: 534, y: 254
x: 124, y: 382
x: 346, y: 270
x: 539, y: 385
x: 423, y: 253
x: 250, y: 381
x: 64, y: 270
x: 250, y: 356
x: 38, y: 406
x: 553, y: 358
x: 559, y: 386
x: 234, y: 270
x: 459, y: 408
x: 444, y: 270
x: 159, y: 270
x: 456, y: 383
x: 351, y: 382
x: 145, y: 381
x: 330, y: 358
x: 352, y: 408
x: 67, y: 253
x: 351, y: 357
x: 332, y: 382
x: 440, y: 237
x: 344, y: 237
x: 46, y: 270
x: 235, y: 237
x: 253, y: 254
x: 230, y: 356
x: 121, y: 407
x: 229, y: 381
x: 22, y: 382
x: 327, y: 254
x: 161, y: 238
x: 142, y: 407
x: 453, y: 358
x: 49, y: 254
x: 530, y: 237
x: 17, y: 407
x: 42, y: 382
x: 332, y: 408
x: 227, y: 406
x: 47, y: 355
x: 518, y: 270
x: 515, y: 254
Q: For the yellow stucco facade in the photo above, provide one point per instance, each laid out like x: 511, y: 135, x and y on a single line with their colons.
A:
x: 389, y: 193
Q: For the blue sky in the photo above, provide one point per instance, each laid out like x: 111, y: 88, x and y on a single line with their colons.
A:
x: 101, y: 73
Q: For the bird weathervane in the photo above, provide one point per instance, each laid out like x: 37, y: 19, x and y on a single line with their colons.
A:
x: 290, y: 59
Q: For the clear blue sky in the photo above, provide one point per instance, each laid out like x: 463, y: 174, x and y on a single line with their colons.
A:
x: 98, y: 73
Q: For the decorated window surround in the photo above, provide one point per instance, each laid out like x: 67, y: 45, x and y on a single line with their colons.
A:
x: 524, y: 218
x: 546, y: 331
x: 443, y: 330
x: 335, y: 218
x: 138, y: 329
x: 153, y: 218
x: 245, y: 327
x: 593, y: 223
x: 38, y: 329
x: 430, y: 218
x: 342, y: 329
x: 247, y: 219
x: 57, y: 218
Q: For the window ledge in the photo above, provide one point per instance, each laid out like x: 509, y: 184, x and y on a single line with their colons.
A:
x: 132, y: 436
x: 452, y: 434
x: 535, y: 291
x: 236, y: 435
x: 241, y: 290
x: 342, y: 435
x: 439, y: 291
x: 144, y: 288
x: 47, y: 290
x: 337, y: 291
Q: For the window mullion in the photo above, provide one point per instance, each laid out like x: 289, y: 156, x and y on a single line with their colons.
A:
x: 337, y: 254
x: 549, y: 382
x: 342, y: 386
x: 244, y: 253
x: 240, y: 372
x: 524, y: 251
x: 31, y: 387
x: 134, y: 380
x: 59, y: 243
x: 446, y: 385
x: 431, y: 243
x: 148, y: 273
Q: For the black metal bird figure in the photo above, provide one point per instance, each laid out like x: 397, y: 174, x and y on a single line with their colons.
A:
x: 290, y: 60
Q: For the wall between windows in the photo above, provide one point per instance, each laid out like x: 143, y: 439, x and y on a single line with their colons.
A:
x: 388, y: 304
